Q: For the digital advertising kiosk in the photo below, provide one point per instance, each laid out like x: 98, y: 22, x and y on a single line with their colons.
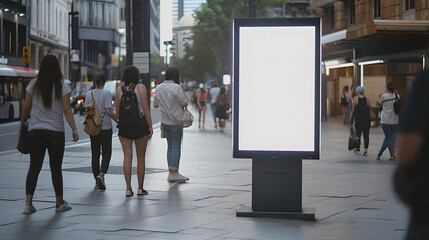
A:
x: 276, y: 109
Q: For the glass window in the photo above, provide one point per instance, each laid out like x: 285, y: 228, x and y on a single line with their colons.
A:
x: 351, y: 12
x: 90, y: 14
x: 377, y: 9
x: 410, y: 4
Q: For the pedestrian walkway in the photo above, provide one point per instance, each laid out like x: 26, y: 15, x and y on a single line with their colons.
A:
x: 352, y: 194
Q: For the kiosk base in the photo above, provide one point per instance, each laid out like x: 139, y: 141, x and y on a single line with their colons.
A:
x: 277, y: 190
x: 307, y: 214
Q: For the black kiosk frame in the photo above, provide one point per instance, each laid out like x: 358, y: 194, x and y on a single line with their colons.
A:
x: 276, y: 109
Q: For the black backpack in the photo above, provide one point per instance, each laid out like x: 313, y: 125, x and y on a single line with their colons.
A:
x: 129, y: 113
x: 396, y: 104
x: 343, y: 99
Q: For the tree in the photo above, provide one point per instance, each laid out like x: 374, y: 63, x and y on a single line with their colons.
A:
x: 211, y: 52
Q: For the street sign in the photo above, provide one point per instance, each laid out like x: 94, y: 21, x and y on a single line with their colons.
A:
x: 141, y: 61
x: 74, y: 55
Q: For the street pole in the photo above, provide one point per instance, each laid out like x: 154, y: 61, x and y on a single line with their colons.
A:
x: 251, y: 8
x: 129, y: 50
x: 68, y: 27
x: 27, y: 23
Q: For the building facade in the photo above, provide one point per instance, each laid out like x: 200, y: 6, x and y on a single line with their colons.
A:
x: 49, y: 32
x: 13, y: 30
x: 98, y: 37
x: 371, y: 42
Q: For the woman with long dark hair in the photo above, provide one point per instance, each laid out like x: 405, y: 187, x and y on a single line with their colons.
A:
x: 170, y: 97
x: 389, y: 120
x: 47, y: 98
x: 103, y: 141
x: 136, y: 128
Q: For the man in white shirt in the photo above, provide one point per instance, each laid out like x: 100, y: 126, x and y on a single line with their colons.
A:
x: 213, y: 92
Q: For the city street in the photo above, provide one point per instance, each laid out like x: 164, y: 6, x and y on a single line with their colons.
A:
x: 352, y: 194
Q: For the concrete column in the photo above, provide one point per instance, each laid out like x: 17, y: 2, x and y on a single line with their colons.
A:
x: 36, y: 56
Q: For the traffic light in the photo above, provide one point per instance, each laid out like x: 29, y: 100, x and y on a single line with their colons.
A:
x: 26, y: 54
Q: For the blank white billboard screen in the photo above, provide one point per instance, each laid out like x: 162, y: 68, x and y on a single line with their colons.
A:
x: 277, y: 88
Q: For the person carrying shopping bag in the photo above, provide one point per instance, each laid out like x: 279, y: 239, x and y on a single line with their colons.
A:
x: 170, y: 97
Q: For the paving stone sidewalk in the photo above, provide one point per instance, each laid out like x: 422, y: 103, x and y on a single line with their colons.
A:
x: 352, y: 194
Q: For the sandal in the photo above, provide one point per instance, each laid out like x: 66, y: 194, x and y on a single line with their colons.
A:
x: 129, y: 193
x: 365, y: 153
x: 141, y: 192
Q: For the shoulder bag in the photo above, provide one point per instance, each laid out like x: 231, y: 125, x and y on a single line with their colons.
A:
x: 24, y: 141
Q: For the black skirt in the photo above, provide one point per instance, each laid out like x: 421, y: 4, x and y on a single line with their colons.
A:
x: 136, y: 131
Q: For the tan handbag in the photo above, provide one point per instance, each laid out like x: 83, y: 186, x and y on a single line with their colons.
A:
x: 93, y: 121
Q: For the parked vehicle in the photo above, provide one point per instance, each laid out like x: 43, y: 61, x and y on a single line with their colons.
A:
x: 13, y: 81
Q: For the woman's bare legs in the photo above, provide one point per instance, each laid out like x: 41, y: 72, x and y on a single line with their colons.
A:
x: 127, y: 148
x: 204, y: 115
x: 199, y: 116
x: 141, y: 145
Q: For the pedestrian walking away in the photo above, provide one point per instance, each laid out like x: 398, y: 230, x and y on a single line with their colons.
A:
x: 202, y: 100
x: 135, y: 125
x: 101, y: 143
x: 389, y: 120
x: 222, y: 105
x: 360, y: 116
x: 47, y: 98
x: 213, y: 92
x: 170, y: 97
x: 411, y: 179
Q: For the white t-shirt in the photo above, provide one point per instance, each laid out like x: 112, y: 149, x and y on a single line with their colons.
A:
x: 169, y: 96
x: 388, y: 115
x: 46, y: 118
x: 214, y: 91
x: 103, y: 100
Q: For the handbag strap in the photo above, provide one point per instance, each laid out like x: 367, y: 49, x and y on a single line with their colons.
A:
x: 104, y: 112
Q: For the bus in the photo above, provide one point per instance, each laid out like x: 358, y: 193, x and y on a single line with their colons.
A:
x: 13, y: 82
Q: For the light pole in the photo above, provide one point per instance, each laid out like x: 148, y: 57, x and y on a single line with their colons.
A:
x: 71, y: 14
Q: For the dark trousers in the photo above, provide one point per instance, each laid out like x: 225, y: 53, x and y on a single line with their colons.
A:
x: 40, y: 141
x: 363, y: 128
x: 101, y: 143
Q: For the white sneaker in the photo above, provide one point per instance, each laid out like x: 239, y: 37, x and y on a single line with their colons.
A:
x: 64, y: 207
x: 176, y: 177
x: 100, y: 182
x: 29, y: 209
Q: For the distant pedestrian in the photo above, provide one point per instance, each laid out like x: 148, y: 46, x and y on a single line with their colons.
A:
x: 171, y: 99
x: 135, y: 125
x: 101, y: 143
x: 48, y: 99
x: 222, y: 105
x: 412, y: 144
x: 202, y: 100
x: 213, y: 92
x: 389, y: 120
x: 350, y: 96
x: 360, y: 116
x: 344, y: 103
